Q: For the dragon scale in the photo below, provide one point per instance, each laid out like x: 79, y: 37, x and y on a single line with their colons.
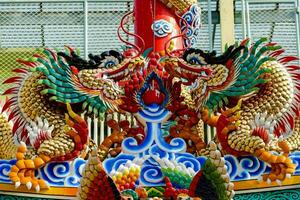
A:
x: 7, y: 146
x: 274, y: 99
x: 33, y: 104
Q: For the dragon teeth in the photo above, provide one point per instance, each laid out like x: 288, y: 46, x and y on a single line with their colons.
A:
x: 116, y: 75
x: 187, y: 71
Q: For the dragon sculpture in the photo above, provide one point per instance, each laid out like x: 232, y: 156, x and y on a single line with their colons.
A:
x: 250, y: 94
x: 262, y: 91
x: 36, y: 107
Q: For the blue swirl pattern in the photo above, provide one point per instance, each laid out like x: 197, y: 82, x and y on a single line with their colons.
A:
x: 55, y: 173
x: 63, y: 174
x: 74, y: 178
x: 239, y: 168
x: 5, y: 166
x: 193, y: 20
x: 68, y: 174
x: 112, y: 164
x: 245, y: 167
x: 190, y: 161
x: 151, y: 176
x: 153, y: 116
x: 162, y: 28
x: 296, y: 160
x: 156, y: 151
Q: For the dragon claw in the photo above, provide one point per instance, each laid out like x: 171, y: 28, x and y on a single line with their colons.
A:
x: 279, y: 182
x: 37, y: 188
x: 22, y: 173
x: 17, y: 184
x: 260, y: 179
x: 288, y: 176
x: 28, y: 185
x: 281, y: 166
x: 22, y: 148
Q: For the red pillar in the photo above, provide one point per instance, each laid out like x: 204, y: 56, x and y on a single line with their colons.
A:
x: 145, y: 11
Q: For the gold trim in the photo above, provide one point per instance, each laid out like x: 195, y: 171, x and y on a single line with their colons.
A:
x: 255, y: 184
x: 61, y: 191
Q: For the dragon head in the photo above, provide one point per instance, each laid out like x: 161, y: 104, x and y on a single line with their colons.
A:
x: 108, y: 65
x: 204, y: 71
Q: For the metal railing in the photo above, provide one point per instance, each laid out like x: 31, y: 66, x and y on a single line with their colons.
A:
x: 98, y: 130
x: 276, y: 19
x: 90, y: 25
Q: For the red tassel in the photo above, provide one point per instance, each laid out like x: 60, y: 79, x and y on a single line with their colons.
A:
x: 245, y: 41
x: 277, y: 53
x: 13, y: 80
x: 262, y: 133
x: 9, y: 103
x: 12, y: 115
x: 282, y: 126
x: 297, y: 97
x: 16, y: 125
x: 24, y: 134
x: 278, y: 131
x: 291, y: 121
x: 293, y: 67
x: 271, y: 44
x: 296, y: 111
x: 288, y: 59
x: 296, y: 76
x: 20, y: 71
x: 10, y: 91
x: 39, y: 56
x: 27, y: 63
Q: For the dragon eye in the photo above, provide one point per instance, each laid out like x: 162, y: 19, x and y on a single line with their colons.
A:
x: 109, y: 62
x: 195, y: 59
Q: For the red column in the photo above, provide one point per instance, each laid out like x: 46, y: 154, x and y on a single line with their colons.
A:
x: 145, y: 11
